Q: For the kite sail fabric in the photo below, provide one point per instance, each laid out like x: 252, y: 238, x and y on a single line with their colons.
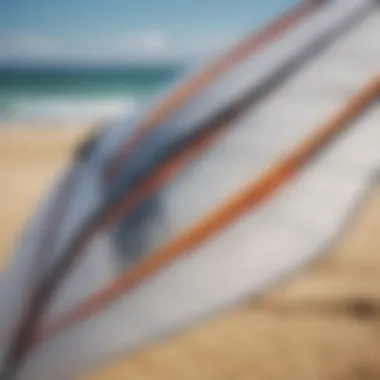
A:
x: 225, y: 195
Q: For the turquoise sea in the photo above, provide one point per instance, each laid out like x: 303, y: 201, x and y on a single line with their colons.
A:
x: 52, y: 94
x: 44, y: 95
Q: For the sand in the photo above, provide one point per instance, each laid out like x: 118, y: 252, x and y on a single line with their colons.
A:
x: 322, y: 323
x: 29, y: 159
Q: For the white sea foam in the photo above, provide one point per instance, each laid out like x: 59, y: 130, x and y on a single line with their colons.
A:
x: 62, y: 109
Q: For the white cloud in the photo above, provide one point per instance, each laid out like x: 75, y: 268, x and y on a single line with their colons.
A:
x: 147, y: 41
x: 23, y: 45
x: 145, y: 45
x: 156, y: 45
x: 211, y: 43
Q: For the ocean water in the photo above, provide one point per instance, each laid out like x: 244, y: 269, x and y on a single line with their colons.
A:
x: 55, y: 95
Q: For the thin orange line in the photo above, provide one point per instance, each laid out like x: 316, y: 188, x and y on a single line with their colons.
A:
x: 250, y: 196
x: 210, y: 73
x: 162, y: 174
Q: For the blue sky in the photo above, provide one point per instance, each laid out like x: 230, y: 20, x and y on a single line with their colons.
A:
x: 123, y: 30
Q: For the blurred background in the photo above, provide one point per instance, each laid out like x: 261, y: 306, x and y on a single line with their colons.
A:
x: 79, y: 61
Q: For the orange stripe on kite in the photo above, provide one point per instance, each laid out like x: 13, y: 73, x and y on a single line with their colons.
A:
x: 176, y: 98
x: 235, y: 206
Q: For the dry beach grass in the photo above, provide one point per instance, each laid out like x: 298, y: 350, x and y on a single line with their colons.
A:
x: 322, y: 323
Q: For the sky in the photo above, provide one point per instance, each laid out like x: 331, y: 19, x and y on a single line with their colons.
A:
x: 126, y: 30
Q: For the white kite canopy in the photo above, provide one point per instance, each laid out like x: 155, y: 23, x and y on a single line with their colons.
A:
x: 249, y: 171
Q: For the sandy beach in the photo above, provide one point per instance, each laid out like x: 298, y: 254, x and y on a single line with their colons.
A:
x: 323, y: 323
x: 29, y: 158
